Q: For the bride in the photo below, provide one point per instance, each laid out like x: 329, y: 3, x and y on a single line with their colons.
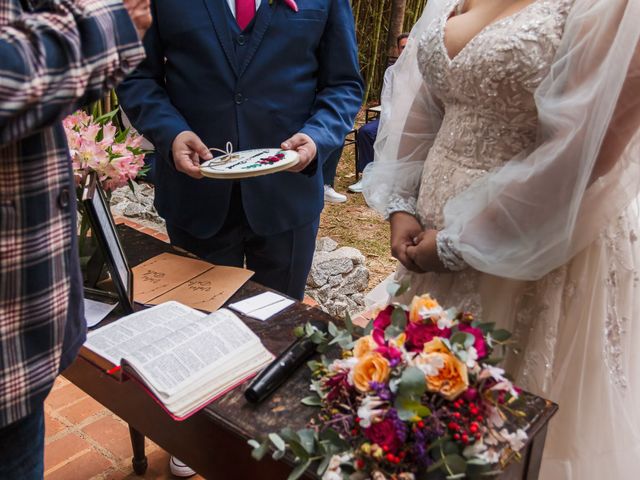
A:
x: 508, y: 163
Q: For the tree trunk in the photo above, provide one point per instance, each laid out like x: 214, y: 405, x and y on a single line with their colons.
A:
x: 396, y: 23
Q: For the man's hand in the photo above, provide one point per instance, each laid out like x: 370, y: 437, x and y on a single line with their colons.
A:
x: 187, y: 151
x: 306, y: 148
x: 405, y: 230
x: 424, y: 253
x: 140, y: 14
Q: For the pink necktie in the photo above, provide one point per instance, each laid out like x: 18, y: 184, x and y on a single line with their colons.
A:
x: 245, y: 11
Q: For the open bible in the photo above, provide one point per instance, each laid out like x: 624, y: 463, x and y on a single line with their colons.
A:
x: 184, y: 358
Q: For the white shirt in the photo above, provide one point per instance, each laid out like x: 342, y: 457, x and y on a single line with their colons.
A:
x: 232, y: 5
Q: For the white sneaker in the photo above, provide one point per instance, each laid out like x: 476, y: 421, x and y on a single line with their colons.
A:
x: 180, y: 469
x: 331, y: 196
x: 356, y: 187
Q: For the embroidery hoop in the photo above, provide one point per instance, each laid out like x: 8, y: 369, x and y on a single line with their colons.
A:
x: 223, y: 166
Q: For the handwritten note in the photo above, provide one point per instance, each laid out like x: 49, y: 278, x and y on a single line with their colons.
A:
x: 193, y: 282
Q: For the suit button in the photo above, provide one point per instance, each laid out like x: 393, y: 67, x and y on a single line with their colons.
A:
x: 63, y: 198
x: 241, y: 40
x: 239, y: 99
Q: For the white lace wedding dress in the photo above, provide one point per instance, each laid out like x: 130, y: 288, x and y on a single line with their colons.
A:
x: 577, y: 329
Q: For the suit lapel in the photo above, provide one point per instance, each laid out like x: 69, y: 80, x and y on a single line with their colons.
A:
x: 262, y: 22
x: 217, y: 14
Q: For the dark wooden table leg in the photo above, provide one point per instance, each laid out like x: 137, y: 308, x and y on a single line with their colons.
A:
x: 139, y: 461
x: 535, y: 455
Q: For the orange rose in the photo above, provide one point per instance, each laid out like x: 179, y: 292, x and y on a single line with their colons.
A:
x: 420, y: 304
x: 452, y: 378
x: 364, y: 345
x: 372, y: 367
x: 435, y: 346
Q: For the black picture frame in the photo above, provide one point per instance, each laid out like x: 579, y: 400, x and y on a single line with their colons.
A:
x: 104, y: 230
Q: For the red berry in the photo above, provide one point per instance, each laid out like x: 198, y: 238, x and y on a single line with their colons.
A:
x: 390, y: 457
x: 456, y: 436
x: 457, y: 415
x: 354, y: 432
x: 385, y: 448
x: 359, y: 464
x: 478, y: 436
x: 473, y: 428
x: 453, y: 426
x: 420, y: 424
x: 480, y: 418
x: 465, y: 438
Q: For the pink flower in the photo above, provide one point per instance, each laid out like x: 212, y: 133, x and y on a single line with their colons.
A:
x: 479, y: 344
x: 420, y: 333
x: 380, y: 323
x: 291, y: 4
x: 384, y: 434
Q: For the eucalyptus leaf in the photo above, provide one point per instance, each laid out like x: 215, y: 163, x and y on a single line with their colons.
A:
x: 348, y: 323
x: 456, y: 464
x: 311, y: 401
x: 277, y: 441
x: 307, y: 439
x: 404, y: 287
x: 299, y: 470
x: 368, y: 329
x: 392, y: 332
x: 462, y: 338
x: 277, y: 455
x: 299, y: 451
x: 299, y: 331
x: 487, y: 327
x: 259, y: 452
x: 253, y: 443
x: 323, y: 465
x: 501, y: 335
x: 333, y: 330
x: 393, y: 289
x: 399, y: 318
x: 288, y: 434
x: 331, y: 436
x: 412, y: 383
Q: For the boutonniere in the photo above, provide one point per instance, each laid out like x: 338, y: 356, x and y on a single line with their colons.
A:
x: 289, y: 3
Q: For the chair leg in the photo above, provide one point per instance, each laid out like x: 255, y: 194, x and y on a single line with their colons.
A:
x: 139, y: 460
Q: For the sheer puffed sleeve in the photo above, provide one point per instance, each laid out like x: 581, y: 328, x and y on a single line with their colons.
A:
x: 542, y: 207
x: 409, y: 123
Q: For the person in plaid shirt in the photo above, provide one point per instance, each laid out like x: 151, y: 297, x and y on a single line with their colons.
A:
x: 55, y: 56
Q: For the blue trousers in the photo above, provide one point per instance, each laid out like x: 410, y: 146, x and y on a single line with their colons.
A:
x: 364, y: 143
x: 330, y: 166
x: 22, y: 448
x: 281, y: 262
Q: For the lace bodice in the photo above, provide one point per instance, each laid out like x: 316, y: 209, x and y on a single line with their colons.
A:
x: 487, y: 91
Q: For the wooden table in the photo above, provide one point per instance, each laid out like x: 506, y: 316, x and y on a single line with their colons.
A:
x: 213, y: 442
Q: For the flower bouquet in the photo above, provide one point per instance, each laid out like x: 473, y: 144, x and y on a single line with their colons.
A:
x: 416, y: 396
x: 97, y: 145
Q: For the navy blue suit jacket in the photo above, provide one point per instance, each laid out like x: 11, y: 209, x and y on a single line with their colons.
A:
x: 299, y: 73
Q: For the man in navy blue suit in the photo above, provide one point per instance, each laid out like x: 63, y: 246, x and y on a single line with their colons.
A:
x: 257, y: 73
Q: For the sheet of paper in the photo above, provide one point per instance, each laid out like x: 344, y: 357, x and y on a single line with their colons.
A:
x: 270, y: 310
x: 95, y: 311
x: 209, y: 290
x: 162, y: 273
x: 263, y: 306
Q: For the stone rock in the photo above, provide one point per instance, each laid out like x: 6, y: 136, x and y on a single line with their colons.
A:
x: 338, y: 278
x: 326, y: 244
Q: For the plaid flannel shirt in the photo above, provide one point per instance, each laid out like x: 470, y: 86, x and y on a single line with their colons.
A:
x: 55, y: 55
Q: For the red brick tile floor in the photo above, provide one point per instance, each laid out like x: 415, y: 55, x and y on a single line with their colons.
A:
x: 85, y: 441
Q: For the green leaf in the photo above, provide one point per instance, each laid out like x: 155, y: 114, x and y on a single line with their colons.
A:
x: 331, y: 436
x: 462, y: 338
x: 253, y: 443
x: 311, y: 401
x: 501, y: 335
x: 333, y: 330
x: 410, y: 409
x: 456, y: 464
x: 298, y: 450
x: 393, y: 288
x: 277, y: 455
x: 307, y: 439
x: 348, y: 323
x: 299, y: 470
x: 259, y: 452
x: 493, y: 361
x: 299, y: 331
x: 277, y: 441
x: 288, y: 434
x: 323, y: 465
x: 487, y: 327
x: 368, y: 329
x: 412, y: 382
x: 404, y: 287
x: 399, y: 318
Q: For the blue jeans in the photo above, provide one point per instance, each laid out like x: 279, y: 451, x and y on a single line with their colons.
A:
x: 22, y: 448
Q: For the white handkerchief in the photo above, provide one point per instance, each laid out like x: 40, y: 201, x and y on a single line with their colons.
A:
x: 263, y: 306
